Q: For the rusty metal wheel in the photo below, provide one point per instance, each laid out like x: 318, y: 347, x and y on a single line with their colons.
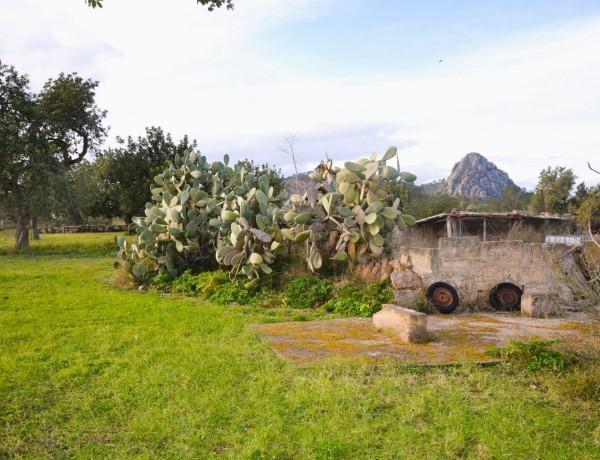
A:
x: 443, y: 297
x: 506, y: 297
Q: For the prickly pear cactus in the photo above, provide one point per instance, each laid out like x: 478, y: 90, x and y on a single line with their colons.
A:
x: 250, y: 238
x: 349, y: 208
x: 199, y: 209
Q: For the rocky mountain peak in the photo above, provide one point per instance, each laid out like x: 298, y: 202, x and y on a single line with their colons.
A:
x: 475, y: 177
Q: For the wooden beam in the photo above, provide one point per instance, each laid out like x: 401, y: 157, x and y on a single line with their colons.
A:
x: 484, y: 229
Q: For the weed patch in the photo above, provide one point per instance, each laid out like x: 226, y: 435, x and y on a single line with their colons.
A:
x: 360, y: 300
x: 307, y: 291
x: 213, y: 286
x: 302, y: 292
x: 535, y: 356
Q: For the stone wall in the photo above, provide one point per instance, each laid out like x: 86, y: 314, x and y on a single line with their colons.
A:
x: 83, y: 229
x: 474, y: 267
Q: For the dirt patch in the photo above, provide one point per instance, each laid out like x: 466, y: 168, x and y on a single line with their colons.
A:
x: 452, y: 338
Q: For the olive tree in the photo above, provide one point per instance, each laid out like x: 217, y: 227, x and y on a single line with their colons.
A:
x: 41, y: 136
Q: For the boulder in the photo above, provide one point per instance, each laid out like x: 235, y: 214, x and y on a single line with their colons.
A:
x: 407, y: 325
x: 406, y: 297
x: 406, y: 279
x: 539, y: 304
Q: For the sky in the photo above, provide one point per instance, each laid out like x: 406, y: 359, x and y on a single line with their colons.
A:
x: 518, y: 82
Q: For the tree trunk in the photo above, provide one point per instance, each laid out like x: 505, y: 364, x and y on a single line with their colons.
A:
x: 2, y: 223
x: 23, y: 215
x: 21, y: 233
x: 127, y: 220
x: 34, y: 228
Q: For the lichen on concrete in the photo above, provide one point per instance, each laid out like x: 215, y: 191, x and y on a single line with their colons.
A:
x: 452, y: 338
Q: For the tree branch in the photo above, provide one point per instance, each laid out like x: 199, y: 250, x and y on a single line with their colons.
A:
x: 591, y: 234
x: 589, y: 166
x: 289, y: 151
x: 68, y: 161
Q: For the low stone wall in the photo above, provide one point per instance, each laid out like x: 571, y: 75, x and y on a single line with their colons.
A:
x: 474, y: 267
x: 83, y: 229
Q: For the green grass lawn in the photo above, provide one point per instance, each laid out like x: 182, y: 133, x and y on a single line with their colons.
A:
x: 89, y: 370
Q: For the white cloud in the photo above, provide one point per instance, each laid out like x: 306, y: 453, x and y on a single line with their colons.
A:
x: 527, y: 103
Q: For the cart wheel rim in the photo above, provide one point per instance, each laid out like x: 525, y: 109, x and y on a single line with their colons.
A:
x: 443, y: 297
x: 507, y: 297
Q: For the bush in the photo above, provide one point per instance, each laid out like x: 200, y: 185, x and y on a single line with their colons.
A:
x: 360, y: 300
x: 534, y: 356
x: 213, y: 286
x: 163, y: 281
x: 307, y: 291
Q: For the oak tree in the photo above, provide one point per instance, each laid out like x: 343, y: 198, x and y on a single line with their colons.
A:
x: 41, y: 136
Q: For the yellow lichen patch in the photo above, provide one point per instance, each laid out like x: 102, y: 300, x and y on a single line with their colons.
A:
x: 352, y: 338
x: 484, y: 319
x: 451, y: 339
x: 483, y: 328
x: 573, y: 327
x: 476, y: 326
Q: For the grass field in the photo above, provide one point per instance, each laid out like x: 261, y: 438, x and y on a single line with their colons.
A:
x: 89, y: 370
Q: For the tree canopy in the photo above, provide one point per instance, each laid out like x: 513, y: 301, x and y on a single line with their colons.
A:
x: 553, y: 191
x: 71, y: 120
x: 212, y: 4
x: 118, y: 183
x: 41, y: 135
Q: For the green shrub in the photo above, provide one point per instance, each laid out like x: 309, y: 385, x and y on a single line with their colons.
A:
x: 163, y: 281
x: 360, y: 299
x: 378, y: 292
x: 213, y: 286
x: 232, y: 291
x: 306, y: 292
x: 302, y: 292
x: 203, y: 284
x: 534, y: 356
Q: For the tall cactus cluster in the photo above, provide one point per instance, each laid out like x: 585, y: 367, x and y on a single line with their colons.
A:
x: 349, y: 209
x: 203, y: 211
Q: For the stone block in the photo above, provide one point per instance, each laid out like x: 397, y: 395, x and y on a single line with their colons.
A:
x: 406, y: 297
x: 468, y: 247
x: 502, y: 250
x: 533, y: 274
x: 535, y: 253
x: 539, y: 304
x: 491, y: 273
x: 408, y: 325
x: 459, y: 264
x: 425, y: 261
x: 404, y: 262
x: 386, y: 268
x: 406, y: 279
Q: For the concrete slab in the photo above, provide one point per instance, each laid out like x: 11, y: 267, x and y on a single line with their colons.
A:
x: 452, y: 338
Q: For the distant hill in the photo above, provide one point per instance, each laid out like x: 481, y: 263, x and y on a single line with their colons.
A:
x: 472, y: 177
x: 303, y: 181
